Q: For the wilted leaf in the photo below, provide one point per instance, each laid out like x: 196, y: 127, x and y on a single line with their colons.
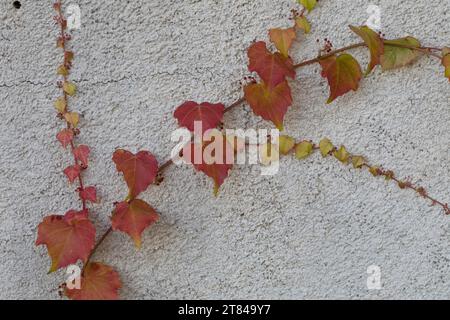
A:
x: 89, y: 194
x: 68, y: 238
x: 269, y: 103
x: 212, y: 157
x: 273, y: 68
x: 395, y: 56
x: 326, y: 147
x: 358, y: 162
x: 342, y: 155
x: 98, y: 282
x: 65, y: 136
x: 81, y: 153
x: 308, y: 4
x: 73, y: 118
x: 286, y: 144
x: 69, y: 88
x: 303, y: 24
x: 60, y: 105
x: 282, y: 38
x: 303, y: 149
x: 133, y: 218
x: 343, y: 74
x: 446, y: 61
x: 373, y: 42
x: 139, y: 170
x: 72, y: 172
x: 210, y: 115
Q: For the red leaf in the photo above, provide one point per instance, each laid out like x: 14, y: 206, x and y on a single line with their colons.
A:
x: 89, y: 194
x: 81, y: 153
x: 72, y: 172
x: 65, y: 137
x: 273, y: 68
x: 98, y: 282
x: 133, y: 218
x: 139, y: 170
x: 269, y: 103
x: 214, y: 158
x: 343, y: 73
x: 210, y: 115
x: 68, y: 238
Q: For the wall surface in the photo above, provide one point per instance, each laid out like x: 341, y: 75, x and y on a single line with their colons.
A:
x: 311, y: 231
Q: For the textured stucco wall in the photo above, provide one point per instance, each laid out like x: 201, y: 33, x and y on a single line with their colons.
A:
x: 309, y: 232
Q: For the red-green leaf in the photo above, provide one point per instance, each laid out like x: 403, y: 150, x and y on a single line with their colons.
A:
x: 65, y: 137
x: 373, y: 42
x: 446, y: 61
x: 269, y: 103
x: 210, y: 115
x: 133, y: 218
x: 81, y: 153
x: 273, y: 68
x: 89, y: 194
x: 139, y: 170
x: 396, y: 56
x: 72, y: 172
x: 214, y: 158
x: 343, y: 73
x: 282, y: 38
x: 68, y: 238
x: 98, y: 282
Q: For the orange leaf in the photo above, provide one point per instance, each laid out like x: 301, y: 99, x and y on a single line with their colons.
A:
x: 65, y: 137
x: 269, y: 103
x: 89, y: 194
x: 273, y: 68
x: 98, y: 282
x: 133, y: 218
x: 81, y: 153
x: 68, y: 238
x: 373, y: 42
x: 282, y: 38
x: 210, y: 115
x: 72, y: 172
x: 214, y: 157
x: 139, y: 170
x: 343, y: 73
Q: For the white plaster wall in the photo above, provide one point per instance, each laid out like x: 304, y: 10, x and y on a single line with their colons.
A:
x: 309, y: 232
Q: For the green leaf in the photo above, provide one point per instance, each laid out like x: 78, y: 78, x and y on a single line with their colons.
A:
x: 358, y: 162
x: 308, y: 4
x: 303, y: 24
x: 326, y: 147
x: 286, y: 144
x: 342, y: 155
x: 303, y: 149
x: 395, y: 56
x: 69, y: 88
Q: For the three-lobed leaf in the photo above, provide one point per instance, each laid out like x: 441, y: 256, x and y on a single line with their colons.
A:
x: 139, y: 170
x: 68, y: 238
x: 343, y: 73
x: 208, y: 114
x: 397, y: 54
x: 133, y: 218
x: 89, y: 194
x: 269, y: 103
x: 65, y: 137
x: 72, y: 172
x: 373, y: 42
x: 81, y: 153
x: 98, y: 282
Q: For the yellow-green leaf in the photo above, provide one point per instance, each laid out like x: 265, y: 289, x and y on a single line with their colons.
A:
x: 373, y: 42
x: 308, y: 4
x: 342, y: 155
x: 69, y: 88
x: 325, y: 146
x: 446, y: 61
x: 358, y: 162
x: 396, y: 56
x: 303, y: 149
x: 374, y: 171
x: 60, y: 105
x: 282, y: 38
x: 62, y: 70
x: 72, y: 118
x: 286, y: 144
x: 303, y: 24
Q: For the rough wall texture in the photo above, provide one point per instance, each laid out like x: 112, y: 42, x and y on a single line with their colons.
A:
x: 309, y: 232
